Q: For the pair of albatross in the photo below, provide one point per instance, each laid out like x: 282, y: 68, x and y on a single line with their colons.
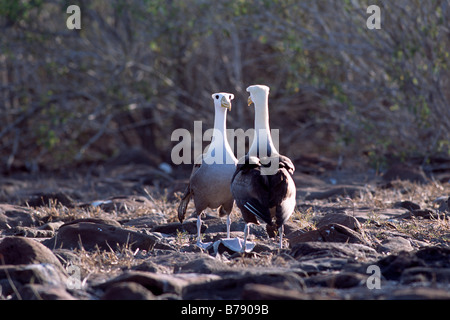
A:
x: 261, y: 182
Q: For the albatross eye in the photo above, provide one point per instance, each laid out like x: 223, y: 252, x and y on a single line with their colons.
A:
x: 217, y: 96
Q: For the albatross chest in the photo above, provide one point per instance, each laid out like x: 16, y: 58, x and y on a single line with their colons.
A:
x: 213, y: 181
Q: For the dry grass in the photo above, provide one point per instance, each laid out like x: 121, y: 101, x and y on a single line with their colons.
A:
x: 435, y: 230
x: 57, y: 212
x: 103, y: 264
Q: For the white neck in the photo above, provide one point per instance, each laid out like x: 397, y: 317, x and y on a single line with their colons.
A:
x: 262, y: 140
x: 219, y: 139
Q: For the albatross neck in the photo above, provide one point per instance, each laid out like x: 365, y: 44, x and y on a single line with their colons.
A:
x: 219, y: 137
x: 262, y: 142
x: 220, y: 125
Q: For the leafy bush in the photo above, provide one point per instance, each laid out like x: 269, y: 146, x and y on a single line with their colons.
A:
x: 138, y: 70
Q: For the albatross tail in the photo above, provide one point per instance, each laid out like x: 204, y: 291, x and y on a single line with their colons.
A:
x: 184, y: 203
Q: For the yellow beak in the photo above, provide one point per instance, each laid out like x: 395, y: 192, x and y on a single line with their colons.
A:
x: 225, y: 103
x: 249, y: 101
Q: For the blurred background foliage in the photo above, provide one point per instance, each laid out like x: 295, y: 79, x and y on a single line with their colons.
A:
x: 139, y: 69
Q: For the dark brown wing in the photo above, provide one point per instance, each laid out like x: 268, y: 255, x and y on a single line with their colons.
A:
x: 250, y: 190
x: 186, y: 197
x: 286, y: 163
x: 184, y: 203
x: 283, y: 191
x: 280, y: 181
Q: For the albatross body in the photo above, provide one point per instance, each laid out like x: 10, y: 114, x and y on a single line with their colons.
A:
x: 209, y: 183
x: 262, y: 184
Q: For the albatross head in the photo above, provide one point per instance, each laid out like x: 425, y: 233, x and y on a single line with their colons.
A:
x: 258, y: 94
x: 223, y: 99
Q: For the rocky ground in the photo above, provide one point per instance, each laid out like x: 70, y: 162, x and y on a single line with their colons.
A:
x: 112, y: 233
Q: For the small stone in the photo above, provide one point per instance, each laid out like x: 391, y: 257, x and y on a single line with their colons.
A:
x: 426, y: 274
x: 127, y: 291
x: 338, y: 233
x: 423, y: 293
x: 312, y: 250
x: 409, y: 205
x: 340, y: 218
x: 45, y: 274
x: 254, y: 291
x: 395, y: 245
x: 42, y: 292
x: 327, y: 233
x: 206, y: 265
x: 341, y: 280
x: 12, y: 216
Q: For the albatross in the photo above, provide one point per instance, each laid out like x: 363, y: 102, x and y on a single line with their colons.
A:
x: 262, y: 184
x: 209, y: 183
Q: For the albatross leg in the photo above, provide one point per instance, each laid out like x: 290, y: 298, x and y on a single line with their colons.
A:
x: 245, y: 237
x: 199, y: 228
x: 228, y: 226
x: 200, y: 244
x: 280, y: 231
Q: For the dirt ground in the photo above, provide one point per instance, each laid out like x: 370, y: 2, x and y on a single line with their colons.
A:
x: 127, y: 233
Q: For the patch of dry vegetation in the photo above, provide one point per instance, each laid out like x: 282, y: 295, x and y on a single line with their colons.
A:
x: 433, y: 230
x: 106, y: 262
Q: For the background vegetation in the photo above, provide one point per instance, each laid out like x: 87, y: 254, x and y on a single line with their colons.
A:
x: 139, y: 69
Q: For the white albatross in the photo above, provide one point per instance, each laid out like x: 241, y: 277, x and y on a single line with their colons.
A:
x: 209, y: 183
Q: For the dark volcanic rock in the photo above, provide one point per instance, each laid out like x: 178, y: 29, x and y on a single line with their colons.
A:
x: 338, y: 233
x: 13, y: 216
x: 42, y: 292
x: 231, y: 287
x: 341, y: 280
x: 158, y: 283
x: 316, y: 265
x: 19, y: 250
x: 426, y: 274
x: 189, y: 226
x: 328, y: 233
x: 420, y: 294
x: 339, y: 218
x: 104, y: 236
x: 405, y: 172
x: 127, y: 291
x: 300, y: 236
x: 436, y: 256
x: 109, y: 222
x: 407, y: 205
x: 15, y: 276
x: 206, y: 265
x: 148, y: 221
x: 313, y: 250
x: 393, y: 266
x: 422, y: 214
x: 395, y: 245
x: 254, y: 291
